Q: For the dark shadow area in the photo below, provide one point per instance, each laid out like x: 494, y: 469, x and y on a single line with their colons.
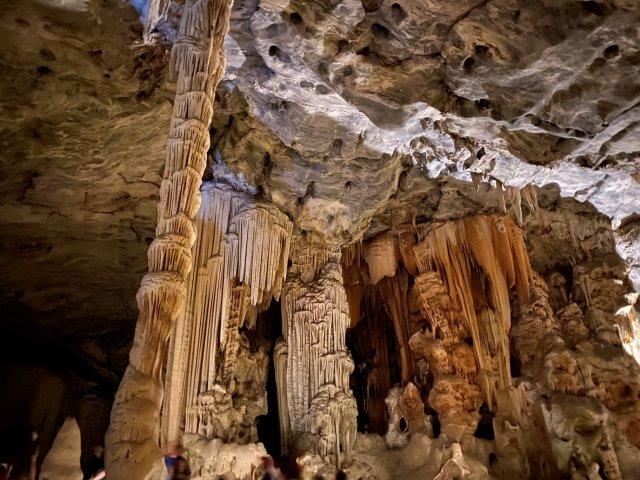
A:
x: 270, y: 325
x: 373, y: 345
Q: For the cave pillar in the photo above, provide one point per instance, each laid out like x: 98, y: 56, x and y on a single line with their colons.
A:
x: 317, y: 408
x: 197, y: 63
x: 240, y: 260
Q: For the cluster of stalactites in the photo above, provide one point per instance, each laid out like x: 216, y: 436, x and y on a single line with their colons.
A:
x: 313, y: 366
x: 383, y: 264
x: 240, y: 258
x: 473, y: 263
x: 512, y: 196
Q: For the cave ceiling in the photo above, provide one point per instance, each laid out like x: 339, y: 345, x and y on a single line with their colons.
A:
x: 352, y: 116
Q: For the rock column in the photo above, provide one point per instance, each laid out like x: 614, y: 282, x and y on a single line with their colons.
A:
x: 317, y: 408
x: 197, y: 62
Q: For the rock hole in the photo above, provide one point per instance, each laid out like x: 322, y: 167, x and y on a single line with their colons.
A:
x: 347, y: 184
x: 267, y: 164
x: 404, y: 426
x: 43, y: 70
x: 342, y: 44
x: 347, y: 71
x: 611, y: 51
x: 485, y: 424
x: 295, y: 18
x: 515, y: 366
x: 47, y: 55
x: 480, y: 153
x: 323, y: 68
x: 363, y: 51
x: 337, y: 142
x: 468, y: 63
x: 380, y: 31
x: 481, y: 49
x: 483, y: 103
x: 310, y: 191
x: 274, y: 51
x: 435, y: 421
x: 322, y: 89
x: 439, y: 334
x: 594, y: 8
x: 148, y: 240
x: 492, y: 458
x: 398, y: 12
x: 371, y: 5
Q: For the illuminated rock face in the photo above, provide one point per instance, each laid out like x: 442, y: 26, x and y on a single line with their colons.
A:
x: 198, y: 64
x: 215, y: 382
x: 394, y: 237
x: 317, y: 408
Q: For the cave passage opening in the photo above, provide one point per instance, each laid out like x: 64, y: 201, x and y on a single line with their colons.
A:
x: 373, y: 345
x: 269, y: 327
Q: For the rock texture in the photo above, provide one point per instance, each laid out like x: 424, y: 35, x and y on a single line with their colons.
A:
x: 63, y: 460
x: 458, y: 182
x: 317, y: 410
x: 84, y: 102
x: 216, y: 382
x: 198, y: 63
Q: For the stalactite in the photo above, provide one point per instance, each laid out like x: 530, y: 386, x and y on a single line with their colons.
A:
x: 382, y: 257
x: 314, y: 366
x: 470, y: 265
x: 198, y: 63
x: 240, y: 259
x: 353, y: 283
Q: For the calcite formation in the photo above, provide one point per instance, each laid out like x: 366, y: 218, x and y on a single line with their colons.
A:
x: 313, y: 366
x: 215, y: 383
x: 198, y: 63
x: 395, y: 238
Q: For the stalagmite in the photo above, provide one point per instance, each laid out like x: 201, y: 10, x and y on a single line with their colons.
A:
x: 406, y: 415
x: 240, y: 259
x: 312, y: 362
x: 198, y: 63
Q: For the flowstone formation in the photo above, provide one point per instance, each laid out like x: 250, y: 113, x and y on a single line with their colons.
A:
x: 317, y: 409
x: 517, y: 373
x: 215, y: 385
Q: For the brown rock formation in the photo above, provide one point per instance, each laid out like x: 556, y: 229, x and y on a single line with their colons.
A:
x: 459, y: 184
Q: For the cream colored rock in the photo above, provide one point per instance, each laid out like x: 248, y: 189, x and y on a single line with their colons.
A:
x: 215, y: 384
x: 198, y: 63
x: 406, y: 416
x: 312, y: 362
x: 214, y: 458
x: 63, y: 460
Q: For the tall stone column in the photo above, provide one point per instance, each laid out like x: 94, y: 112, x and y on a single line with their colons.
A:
x: 317, y: 408
x: 198, y: 63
